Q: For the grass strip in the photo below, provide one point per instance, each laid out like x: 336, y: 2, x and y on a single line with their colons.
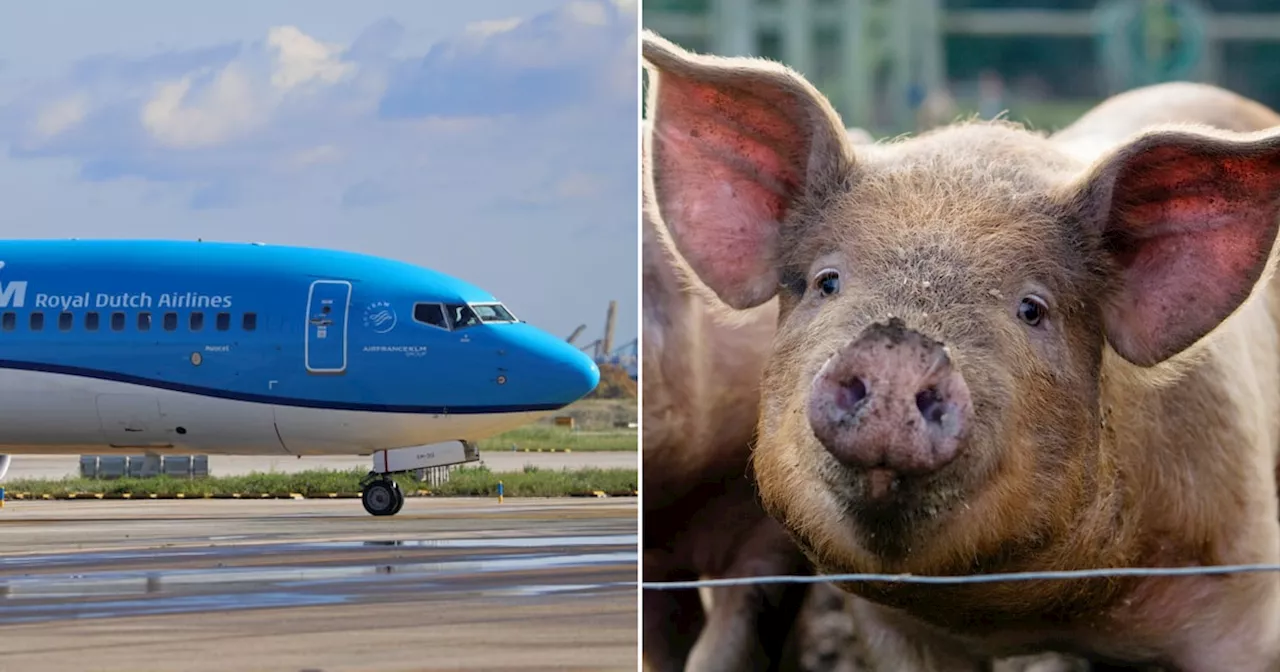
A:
x: 535, y: 438
x: 463, y: 482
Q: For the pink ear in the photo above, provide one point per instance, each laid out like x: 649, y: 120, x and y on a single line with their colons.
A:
x: 735, y: 143
x: 1191, y: 220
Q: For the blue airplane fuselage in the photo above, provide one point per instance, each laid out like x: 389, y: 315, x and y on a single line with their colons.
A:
x: 228, y: 348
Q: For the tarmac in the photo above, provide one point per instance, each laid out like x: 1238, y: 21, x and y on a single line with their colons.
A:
x: 318, y: 585
x: 60, y: 466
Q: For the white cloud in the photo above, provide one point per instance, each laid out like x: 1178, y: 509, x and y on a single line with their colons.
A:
x: 236, y: 101
x: 61, y: 115
x: 492, y: 27
x: 587, y: 12
x: 226, y: 109
x: 300, y: 59
x: 521, y: 103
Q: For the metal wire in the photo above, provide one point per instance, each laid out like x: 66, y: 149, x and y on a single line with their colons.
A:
x: 965, y: 578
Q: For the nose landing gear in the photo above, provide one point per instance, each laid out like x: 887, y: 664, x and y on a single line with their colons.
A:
x: 381, y: 495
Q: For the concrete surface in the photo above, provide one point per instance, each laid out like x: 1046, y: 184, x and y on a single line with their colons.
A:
x: 318, y: 585
x: 59, y: 466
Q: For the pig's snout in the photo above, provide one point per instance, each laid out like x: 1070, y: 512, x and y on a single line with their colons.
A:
x: 891, y: 401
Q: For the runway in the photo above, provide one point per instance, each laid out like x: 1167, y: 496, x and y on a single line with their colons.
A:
x: 318, y: 585
x: 61, y: 466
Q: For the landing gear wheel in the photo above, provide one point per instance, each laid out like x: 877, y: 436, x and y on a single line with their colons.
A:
x: 399, y: 497
x: 382, y: 497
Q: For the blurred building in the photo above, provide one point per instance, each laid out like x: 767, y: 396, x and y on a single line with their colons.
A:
x: 895, y: 65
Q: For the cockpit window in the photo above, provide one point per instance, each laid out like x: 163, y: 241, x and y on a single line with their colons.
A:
x: 493, y: 312
x: 432, y: 314
x: 462, y: 316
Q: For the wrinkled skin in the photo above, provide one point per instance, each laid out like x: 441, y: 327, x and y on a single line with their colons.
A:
x: 702, y: 365
x: 999, y: 351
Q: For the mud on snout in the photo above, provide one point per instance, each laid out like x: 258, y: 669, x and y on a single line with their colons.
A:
x: 886, y: 429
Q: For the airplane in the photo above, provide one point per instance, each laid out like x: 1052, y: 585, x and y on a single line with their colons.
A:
x: 224, y: 348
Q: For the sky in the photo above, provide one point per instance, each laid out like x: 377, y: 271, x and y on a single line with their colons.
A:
x: 493, y: 140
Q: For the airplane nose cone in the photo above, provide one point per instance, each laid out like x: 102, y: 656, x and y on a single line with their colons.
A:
x: 564, y: 374
x: 583, y: 375
x: 573, y: 375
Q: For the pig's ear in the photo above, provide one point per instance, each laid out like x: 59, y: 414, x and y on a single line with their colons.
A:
x: 735, y: 142
x: 1189, y: 219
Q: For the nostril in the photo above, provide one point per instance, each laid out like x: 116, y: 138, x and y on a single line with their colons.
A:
x: 851, y: 394
x: 930, y: 404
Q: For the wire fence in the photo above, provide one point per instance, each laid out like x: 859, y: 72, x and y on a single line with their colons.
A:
x: 967, y: 578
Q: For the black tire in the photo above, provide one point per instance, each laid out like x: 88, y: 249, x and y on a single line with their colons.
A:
x: 395, y: 487
x: 379, y: 498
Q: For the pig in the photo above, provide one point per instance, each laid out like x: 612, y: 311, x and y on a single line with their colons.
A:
x: 702, y: 364
x: 1001, y: 351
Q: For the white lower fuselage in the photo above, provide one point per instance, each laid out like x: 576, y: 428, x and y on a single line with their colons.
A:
x: 49, y: 413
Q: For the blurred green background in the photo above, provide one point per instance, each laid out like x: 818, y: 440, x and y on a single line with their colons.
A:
x: 892, y: 66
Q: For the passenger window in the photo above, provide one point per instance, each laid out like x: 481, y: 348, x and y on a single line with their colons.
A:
x: 36, y: 321
x: 10, y: 321
x: 144, y: 321
x: 91, y: 321
x: 117, y: 321
x: 223, y: 322
x: 249, y: 322
x: 430, y: 313
x: 196, y: 321
x: 65, y: 320
x: 170, y: 321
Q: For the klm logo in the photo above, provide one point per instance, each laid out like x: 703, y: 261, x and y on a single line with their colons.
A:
x: 13, y: 294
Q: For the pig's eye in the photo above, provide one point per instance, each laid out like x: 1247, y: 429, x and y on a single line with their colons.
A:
x: 827, y: 282
x: 1032, y: 310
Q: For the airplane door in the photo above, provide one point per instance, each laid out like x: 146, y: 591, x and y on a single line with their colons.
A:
x: 326, y: 345
x: 130, y: 420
